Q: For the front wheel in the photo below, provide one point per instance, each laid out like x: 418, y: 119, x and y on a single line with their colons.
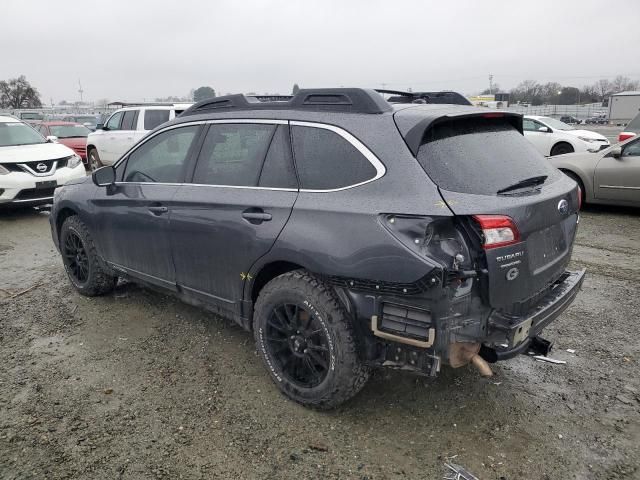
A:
x: 94, y: 160
x: 307, y: 342
x: 83, y: 265
x: 561, y: 149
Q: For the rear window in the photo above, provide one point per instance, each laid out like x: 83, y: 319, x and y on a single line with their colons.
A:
x: 480, y: 156
x: 153, y: 118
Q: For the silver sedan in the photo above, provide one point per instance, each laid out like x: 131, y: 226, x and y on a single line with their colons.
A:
x: 611, y: 176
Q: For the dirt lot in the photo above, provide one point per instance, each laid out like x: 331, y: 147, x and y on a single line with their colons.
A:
x: 136, y: 385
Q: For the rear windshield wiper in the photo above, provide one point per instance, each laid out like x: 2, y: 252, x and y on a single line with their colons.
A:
x: 527, y: 182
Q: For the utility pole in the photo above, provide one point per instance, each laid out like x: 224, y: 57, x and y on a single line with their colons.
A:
x: 490, y: 84
x: 80, y: 90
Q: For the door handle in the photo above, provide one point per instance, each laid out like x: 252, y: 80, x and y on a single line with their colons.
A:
x: 158, y: 210
x: 257, y: 216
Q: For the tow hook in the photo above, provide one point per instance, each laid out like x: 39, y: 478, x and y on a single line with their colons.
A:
x: 540, y: 346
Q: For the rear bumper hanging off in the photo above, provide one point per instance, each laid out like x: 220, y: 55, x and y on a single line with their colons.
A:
x: 520, y: 331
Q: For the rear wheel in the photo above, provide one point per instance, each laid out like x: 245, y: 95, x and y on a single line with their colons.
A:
x: 307, y: 342
x: 561, y: 148
x: 84, y: 267
x: 94, y: 160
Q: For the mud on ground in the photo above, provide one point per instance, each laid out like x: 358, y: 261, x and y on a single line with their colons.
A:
x: 136, y: 385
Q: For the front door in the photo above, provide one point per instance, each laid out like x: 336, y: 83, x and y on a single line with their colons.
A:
x: 242, y: 193
x: 132, y: 216
x: 619, y: 178
x: 541, y: 139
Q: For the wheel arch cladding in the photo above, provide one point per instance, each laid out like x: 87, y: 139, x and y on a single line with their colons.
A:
x: 267, y: 273
x: 63, y: 214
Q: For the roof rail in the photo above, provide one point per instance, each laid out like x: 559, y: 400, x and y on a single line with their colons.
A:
x: 445, y: 96
x: 347, y: 100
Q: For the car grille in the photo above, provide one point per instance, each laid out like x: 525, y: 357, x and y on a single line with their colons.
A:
x: 388, y: 288
x: 32, y: 167
x: 34, y: 193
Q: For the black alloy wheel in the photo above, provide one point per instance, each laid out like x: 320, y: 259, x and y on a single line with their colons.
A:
x: 299, y: 345
x: 75, y: 258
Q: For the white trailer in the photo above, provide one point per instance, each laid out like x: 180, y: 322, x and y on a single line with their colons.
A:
x: 623, y: 107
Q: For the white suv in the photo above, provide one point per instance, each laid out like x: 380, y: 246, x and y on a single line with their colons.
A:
x: 31, y: 167
x: 124, y: 128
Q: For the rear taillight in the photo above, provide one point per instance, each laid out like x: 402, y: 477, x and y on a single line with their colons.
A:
x: 622, y: 136
x: 579, y: 198
x: 498, y: 230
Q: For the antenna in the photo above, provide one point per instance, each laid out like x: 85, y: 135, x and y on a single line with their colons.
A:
x: 80, y: 90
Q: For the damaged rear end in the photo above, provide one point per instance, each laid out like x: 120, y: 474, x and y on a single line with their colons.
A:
x: 500, y: 262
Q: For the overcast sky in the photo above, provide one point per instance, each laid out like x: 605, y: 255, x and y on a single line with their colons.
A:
x: 142, y: 49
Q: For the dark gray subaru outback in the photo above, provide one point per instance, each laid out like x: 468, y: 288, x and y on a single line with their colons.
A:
x: 347, y: 233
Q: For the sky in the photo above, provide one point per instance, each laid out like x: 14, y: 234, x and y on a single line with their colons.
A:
x: 135, y: 50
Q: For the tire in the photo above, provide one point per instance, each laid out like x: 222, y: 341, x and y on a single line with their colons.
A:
x: 576, y: 179
x: 94, y: 160
x: 306, y: 340
x: 86, y: 270
x: 561, y: 148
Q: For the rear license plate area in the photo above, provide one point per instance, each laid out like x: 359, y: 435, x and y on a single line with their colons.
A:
x: 546, y: 245
x: 47, y: 184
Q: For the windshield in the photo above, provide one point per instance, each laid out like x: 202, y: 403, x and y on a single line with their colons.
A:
x: 556, y: 124
x: 69, y: 131
x: 480, y: 156
x: 15, y: 133
x: 31, y: 116
x: 90, y: 119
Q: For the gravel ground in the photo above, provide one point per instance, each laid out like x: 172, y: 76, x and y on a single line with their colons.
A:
x: 137, y: 385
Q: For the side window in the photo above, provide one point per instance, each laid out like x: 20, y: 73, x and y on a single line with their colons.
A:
x: 528, y: 125
x: 114, y: 121
x: 278, y: 171
x: 162, y: 158
x: 233, y: 154
x: 153, y: 118
x: 632, y: 149
x: 128, y: 120
x: 325, y: 160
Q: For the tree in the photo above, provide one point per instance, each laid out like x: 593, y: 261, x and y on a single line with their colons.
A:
x: 623, y: 84
x: 295, y: 89
x: 569, y: 96
x: 603, y: 89
x: 528, y: 91
x: 203, y: 93
x: 18, y: 93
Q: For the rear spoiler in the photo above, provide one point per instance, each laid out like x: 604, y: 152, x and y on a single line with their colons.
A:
x: 414, y: 127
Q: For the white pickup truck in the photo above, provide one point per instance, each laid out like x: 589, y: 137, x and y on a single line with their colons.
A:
x: 124, y: 128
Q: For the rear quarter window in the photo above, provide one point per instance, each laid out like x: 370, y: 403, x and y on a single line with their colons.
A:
x: 480, y: 156
x: 326, y: 161
x: 153, y: 118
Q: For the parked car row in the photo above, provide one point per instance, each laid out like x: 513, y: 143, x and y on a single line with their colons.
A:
x: 553, y: 137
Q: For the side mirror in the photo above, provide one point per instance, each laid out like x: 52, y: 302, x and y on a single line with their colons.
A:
x: 105, y: 176
x: 52, y: 139
x: 544, y: 129
x: 616, y: 152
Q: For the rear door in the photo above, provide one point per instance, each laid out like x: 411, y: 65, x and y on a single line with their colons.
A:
x: 240, y: 197
x: 148, y: 120
x: 474, y: 161
x: 618, y: 179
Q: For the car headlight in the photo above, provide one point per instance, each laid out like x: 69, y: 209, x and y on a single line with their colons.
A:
x: 74, y: 161
x: 3, y: 170
x: 589, y: 140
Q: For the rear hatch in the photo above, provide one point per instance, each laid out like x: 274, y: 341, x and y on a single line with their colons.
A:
x: 486, y: 170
